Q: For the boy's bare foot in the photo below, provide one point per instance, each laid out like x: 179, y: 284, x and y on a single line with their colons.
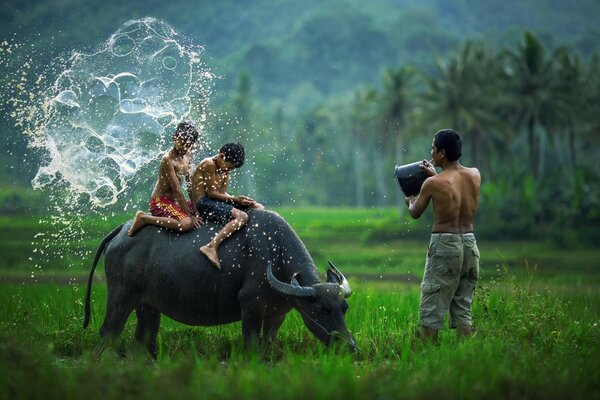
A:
x: 138, y: 223
x: 211, y: 254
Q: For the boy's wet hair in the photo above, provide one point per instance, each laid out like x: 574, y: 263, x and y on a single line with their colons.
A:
x: 448, y: 140
x: 187, y: 130
x: 234, y: 152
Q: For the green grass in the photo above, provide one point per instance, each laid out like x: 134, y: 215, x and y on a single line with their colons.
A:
x: 529, y: 343
x: 359, y: 241
x: 537, y: 314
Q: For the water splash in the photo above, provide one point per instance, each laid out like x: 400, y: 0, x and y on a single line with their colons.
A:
x: 101, y: 120
x: 112, y: 111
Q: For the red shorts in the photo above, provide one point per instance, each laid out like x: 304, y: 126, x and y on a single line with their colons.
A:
x: 165, y: 207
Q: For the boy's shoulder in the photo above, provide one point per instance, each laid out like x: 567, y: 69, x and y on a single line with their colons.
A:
x: 208, y: 162
x: 168, y: 156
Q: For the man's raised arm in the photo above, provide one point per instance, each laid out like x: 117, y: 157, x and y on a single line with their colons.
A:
x: 417, y: 205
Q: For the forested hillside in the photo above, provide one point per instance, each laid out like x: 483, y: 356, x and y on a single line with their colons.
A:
x: 328, y: 96
x: 331, y: 46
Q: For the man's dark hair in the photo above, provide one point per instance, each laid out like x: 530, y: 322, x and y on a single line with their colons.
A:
x: 448, y: 140
x: 187, y: 130
x: 234, y: 152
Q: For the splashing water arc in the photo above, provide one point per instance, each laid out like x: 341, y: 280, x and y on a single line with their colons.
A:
x: 113, y: 111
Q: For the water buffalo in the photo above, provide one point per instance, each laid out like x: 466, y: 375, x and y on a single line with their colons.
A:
x: 159, y: 271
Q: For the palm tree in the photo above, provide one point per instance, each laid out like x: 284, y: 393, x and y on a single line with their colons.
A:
x: 395, y: 103
x: 243, y: 113
x: 464, y: 95
x: 587, y: 118
x: 539, y: 104
x: 363, y: 119
x: 570, y: 86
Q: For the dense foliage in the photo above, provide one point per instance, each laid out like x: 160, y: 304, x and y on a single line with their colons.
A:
x: 327, y: 97
x: 527, y: 117
x: 530, y: 343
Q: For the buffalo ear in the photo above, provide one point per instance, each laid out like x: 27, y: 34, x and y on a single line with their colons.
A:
x: 332, y: 277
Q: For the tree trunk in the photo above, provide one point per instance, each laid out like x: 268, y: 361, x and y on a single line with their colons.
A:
x: 533, y: 161
x: 359, y: 183
x: 400, y: 149
x: 380, y: 181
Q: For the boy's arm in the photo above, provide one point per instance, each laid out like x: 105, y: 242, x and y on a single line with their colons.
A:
x: 196, y: 185
x: 211, y: 185
x: 167, y: 166
x: 417, y: 205
x: 242, y: 200
x: 190, y: 190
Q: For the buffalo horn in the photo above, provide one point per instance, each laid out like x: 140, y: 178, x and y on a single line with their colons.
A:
x: 343, y: 281
x: 286, y: 288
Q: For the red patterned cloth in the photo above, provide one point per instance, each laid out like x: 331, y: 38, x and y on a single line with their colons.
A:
x: 165, y: 207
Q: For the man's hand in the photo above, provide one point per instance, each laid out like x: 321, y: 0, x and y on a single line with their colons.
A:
x: 196, y: 221
x: 428, y: 167
x: 409, y: 200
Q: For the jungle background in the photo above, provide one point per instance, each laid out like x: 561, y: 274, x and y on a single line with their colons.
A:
x: 329, y: 96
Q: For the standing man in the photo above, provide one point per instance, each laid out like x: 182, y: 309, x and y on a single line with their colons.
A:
x: 452, y: 264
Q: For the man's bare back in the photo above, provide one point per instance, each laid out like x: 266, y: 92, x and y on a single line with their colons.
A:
x: 455, y: 195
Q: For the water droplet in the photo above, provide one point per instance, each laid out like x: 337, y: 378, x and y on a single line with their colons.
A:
x: 122, y: 45
x: 68, y: 98
x: 169, y: 63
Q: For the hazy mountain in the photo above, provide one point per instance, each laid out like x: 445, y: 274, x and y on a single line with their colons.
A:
x: 330, y: 46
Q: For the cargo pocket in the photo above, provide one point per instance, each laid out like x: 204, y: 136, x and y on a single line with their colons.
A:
x: 431, y: 249
x: 445, y: 262
x: 430, y: 287
x: 474, y: 267
x: 429, y: 314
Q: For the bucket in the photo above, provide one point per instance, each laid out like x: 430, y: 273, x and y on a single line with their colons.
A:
x: 410, y: 177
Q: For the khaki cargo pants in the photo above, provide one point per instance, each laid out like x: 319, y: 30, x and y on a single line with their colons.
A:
x: 451, y: 272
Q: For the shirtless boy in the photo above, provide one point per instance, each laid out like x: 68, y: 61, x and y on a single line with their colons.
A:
x: 168, y: 206
x: 209, y: 194
x: 452, y: 264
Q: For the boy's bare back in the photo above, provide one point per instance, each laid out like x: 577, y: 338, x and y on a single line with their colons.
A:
x: 208, y: 179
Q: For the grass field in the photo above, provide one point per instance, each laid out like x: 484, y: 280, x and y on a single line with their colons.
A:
x: 537, y: 316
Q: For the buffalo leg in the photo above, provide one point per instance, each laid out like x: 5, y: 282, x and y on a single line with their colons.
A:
x: 119, y: 307
x: 271, y: 326
x: 148, y: 323
x: 252, y: 319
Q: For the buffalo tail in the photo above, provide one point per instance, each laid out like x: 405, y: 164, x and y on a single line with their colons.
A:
x: 99, y: 252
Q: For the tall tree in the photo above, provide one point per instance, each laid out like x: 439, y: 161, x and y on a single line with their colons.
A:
x: 362, y: 120
x: 395, y: 103
x: 243, y: 112
x: 537, y: 106
x: 463, y: 95
x: 570, y: 88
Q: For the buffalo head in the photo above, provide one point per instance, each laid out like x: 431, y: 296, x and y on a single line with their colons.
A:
x: 322, y: 305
